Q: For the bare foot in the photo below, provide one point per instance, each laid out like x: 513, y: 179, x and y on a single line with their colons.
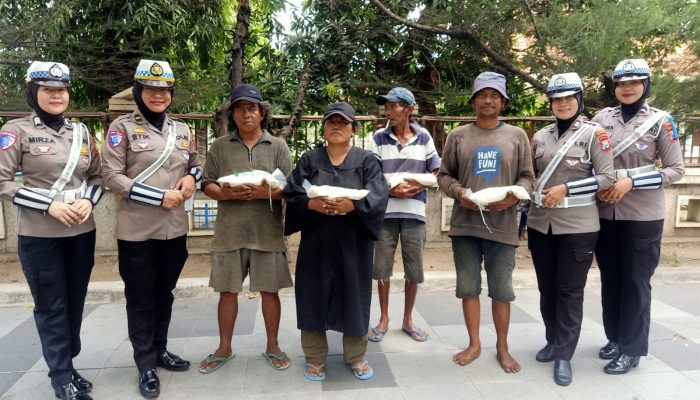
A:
x: 470, y: 354
x: 507, y: 362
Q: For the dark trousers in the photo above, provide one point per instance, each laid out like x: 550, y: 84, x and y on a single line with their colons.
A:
x: 150, y: 270
x: 561, y: 264
x: 628, y: 253
x: 58, y: 271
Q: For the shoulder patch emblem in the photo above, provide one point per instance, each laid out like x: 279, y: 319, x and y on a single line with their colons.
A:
x: 115, y: 138
x: 7, y: 139
x: 605, y: 144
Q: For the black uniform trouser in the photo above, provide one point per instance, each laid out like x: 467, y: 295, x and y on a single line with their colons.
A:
x: 627, y: 254
x: 58, y: 271
x: 150, y: 270
x: 561, y: 264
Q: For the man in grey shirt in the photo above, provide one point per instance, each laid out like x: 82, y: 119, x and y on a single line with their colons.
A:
x: 484, y: 154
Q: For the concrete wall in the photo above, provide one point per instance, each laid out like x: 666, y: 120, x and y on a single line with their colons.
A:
x: 105, y: 216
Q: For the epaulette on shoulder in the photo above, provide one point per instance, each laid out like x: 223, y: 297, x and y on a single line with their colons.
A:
x: 18, y: 121
x: 123, y: 117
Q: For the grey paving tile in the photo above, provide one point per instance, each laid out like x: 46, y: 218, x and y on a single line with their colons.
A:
x: 287, y: 396
x: 20, y: 348
x: 193, y: 318
x: 455, y: 391
x: 229, y: 381
x: 424, y: 368
x: 694, y: 375
x: 443, y: 308
x: 102, y: 333
x: 116, y: 383
x: 340, y: 377
x: 7, y: 379
x: 373, y: 393
x: 517, y: 390
x: 486, y: 368
x: 31, y: 386
x: 682, y: 297
x: 679, y: 353
x: 688, y: 328
x: 262, y: 379
x: 662, y: 386
x: 11, y: 317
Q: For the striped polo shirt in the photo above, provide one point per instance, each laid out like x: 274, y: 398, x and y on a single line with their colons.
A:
x: 417, y: 156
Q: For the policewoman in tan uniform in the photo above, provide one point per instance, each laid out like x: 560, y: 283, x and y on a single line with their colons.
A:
x: 61, y: 183
x: 632, y: 212
x: 572, y: 160
x: 150, y: 161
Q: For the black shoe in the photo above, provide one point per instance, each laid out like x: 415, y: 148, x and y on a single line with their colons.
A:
x: 70, y: 392
x: 172, y: 362
x: 562, y: 372
x: 546, y: 354
x: 609, y: 351
x: 149, y: 384
x: 83, y: 385
x: 621, y: 364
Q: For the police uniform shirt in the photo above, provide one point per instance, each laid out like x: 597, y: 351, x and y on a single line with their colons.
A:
x: 660, y: 141
x: 132, y: 145
x: 41, y: 153
x: 589, y: 152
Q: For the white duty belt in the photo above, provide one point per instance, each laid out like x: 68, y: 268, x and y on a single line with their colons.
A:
x: 624, y: 173
x: 56, y: 192
x: 566, y: 202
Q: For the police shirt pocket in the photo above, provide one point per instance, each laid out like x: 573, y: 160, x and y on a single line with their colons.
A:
x: 583, y: 254
x: 141, y: 146
x: 576, y: 151
x: 42, y: 150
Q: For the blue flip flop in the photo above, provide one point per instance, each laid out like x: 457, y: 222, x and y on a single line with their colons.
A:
x: 366, y: 375
x: 416, y: 332
x: 378, y: 335
x: 314, y: 377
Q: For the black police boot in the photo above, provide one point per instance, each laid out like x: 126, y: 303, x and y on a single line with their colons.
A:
x: 83, y: 385
x: 546, y: 354
x: 609, y: 351
x: 149, y: 383
x: 621, y: 364
x: 70, y: 392
x: 562, y: 372
x: 172, y: 362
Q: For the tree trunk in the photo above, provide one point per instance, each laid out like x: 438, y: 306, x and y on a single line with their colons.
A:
x: 221, y: 117
x: 295, y: 119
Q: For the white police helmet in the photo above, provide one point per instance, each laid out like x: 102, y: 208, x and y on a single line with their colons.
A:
x: 48, y: 73
x: 154, y: 73
x: 631, y: 69
x: 562, y: 85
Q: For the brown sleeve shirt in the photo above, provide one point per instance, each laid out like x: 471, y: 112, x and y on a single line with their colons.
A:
x: 585, y: 169
x: 478, y: 158
x: 645, y: 202
x: 132, y: 145
x: 255, y: 224
x: 40, y: 153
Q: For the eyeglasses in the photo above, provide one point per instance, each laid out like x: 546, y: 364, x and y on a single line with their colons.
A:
x: 150, y: 90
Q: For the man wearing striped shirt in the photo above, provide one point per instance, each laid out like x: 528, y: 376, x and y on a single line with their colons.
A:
x: 403, y: 146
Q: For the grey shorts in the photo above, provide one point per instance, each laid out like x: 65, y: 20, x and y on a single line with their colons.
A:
x: 412, y: 235
x: 498, y: 259
x: 269, y: 271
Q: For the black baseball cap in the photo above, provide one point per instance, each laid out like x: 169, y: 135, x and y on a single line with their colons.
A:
x: 341, y: 108
x: 246, y: 91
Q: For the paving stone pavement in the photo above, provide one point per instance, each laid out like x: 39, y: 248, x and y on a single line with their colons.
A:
x: 404, y: 369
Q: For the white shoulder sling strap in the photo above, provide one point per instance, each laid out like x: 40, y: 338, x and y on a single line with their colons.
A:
x: 169, y: 145
x: 544, y: 178
x: 73, y: 158
x: 639, y: 132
